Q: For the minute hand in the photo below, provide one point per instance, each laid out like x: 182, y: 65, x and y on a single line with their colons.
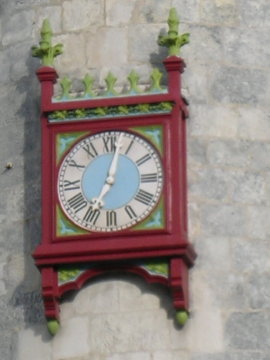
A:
x: 113, y: 167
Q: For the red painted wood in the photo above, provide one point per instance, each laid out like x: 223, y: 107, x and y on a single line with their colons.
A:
x: 170, y: 243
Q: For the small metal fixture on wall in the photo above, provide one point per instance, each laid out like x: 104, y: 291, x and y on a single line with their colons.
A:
x: 114, y: 192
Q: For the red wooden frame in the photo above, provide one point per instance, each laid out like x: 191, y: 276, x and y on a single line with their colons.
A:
x: 108, y: 250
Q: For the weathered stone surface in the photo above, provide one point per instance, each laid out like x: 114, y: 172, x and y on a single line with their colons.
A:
x: 170, y: 355
x: 119, y: 12
x: 259, y: 290
x: 151, y: 11
x: 18, y: 27
x: 72, y: 339
x: 251, y: 256
x: 34, y: 342
x: 80, y: 14
x: 214, y: 121
x: 114, y: 47
x: 129, y: 356
x: 188, y: 10
x: 53, y: 13
x: 258, y: 218
x: 248, y: 330
x: 248, y: 188
x: 219, y: 12
x: 142, y: 42
x: 202, y: 39
x: 223, y: 220
x: 254, y: 13
x: 98, y: 297
x: 238, y: 85
x: 132, y: 331
x: 246, y: 46
x: 209, y: 183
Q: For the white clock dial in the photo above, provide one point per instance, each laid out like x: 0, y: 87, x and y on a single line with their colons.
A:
x: 110, y: 181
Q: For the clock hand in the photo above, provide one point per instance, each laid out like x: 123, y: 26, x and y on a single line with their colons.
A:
x: 98, y: 202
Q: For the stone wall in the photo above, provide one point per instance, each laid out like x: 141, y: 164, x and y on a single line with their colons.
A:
x: 227, y: 82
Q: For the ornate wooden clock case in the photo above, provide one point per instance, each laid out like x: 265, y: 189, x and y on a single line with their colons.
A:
x: 114, y: 192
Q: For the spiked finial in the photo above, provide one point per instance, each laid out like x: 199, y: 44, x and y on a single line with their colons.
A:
x: 46, y: 52
x: 173, y: 41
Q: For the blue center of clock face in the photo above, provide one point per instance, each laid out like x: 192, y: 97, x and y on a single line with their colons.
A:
x: 126, y: 182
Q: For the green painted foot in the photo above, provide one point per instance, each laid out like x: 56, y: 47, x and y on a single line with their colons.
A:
x: 181, y: 317
x: 53, y: 326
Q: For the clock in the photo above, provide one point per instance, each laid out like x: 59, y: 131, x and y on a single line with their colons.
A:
x: 114, y: 187
x: 110, y: 181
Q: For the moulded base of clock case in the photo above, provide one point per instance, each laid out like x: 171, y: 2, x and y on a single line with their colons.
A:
x: 170, y: 272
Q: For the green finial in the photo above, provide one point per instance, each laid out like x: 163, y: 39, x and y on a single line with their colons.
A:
x: 46, y: 52
x: 110, y: 82
x: 88, y: 82
x: 181, y: 317
x: 156, y: 76
x: 133, y: 79
x: 53, y: 326
x: 65, y: 85
x: 173, y: 41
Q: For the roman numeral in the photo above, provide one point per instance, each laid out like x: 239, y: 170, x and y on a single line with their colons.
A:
x: 91, y: 215
x: 144, y: 197
x: 71, y: 185
x: 74, y: 164
x: 109, y: 143
x: 90, y: 149
x: 129, y: 146
x: 145, y: 178
x: 111, y: 218
x: 143, y: 159
x: 77, y: 202
x: 131, y: 213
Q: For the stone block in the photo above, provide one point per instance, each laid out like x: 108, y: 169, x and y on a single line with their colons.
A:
x: 100, y: 296
x: 34, y: 343
x: 132, y: 331
x: 212, y: 121
x: 119, y: 12
x: 80, y: 14
x: 253, y: 124
x: 5, y: 66
x: 209, y: 184
x: 250, y: 256
x: 219, y: 12
x: 248, y: 331
x: 258, y: 219
x: 170, y: 355
x: 18, y: 27
x: 248, y: 188
x: 188, y: 10
x: 246, y: 46
x: 73, y: 59
x: 72, y: 339
x: 108, y: 47
x: 213, y: 254
x: 255, y: 14
x: 231, y: 153
x: 151, y: 11
x: 53, y: 14
x: 259, y: 290
x: 223, y: 220
x: 129, y: 356
x: 195, y: 82
x: 142, y: 43
x: 203, y: 41
x: 238, y: 85
x: 137, y: 295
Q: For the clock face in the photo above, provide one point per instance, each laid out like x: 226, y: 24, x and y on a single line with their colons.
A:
x: 110, y: 181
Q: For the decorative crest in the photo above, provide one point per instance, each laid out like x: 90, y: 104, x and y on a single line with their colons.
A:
x: 46, y: 52
x: 173, y: 41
